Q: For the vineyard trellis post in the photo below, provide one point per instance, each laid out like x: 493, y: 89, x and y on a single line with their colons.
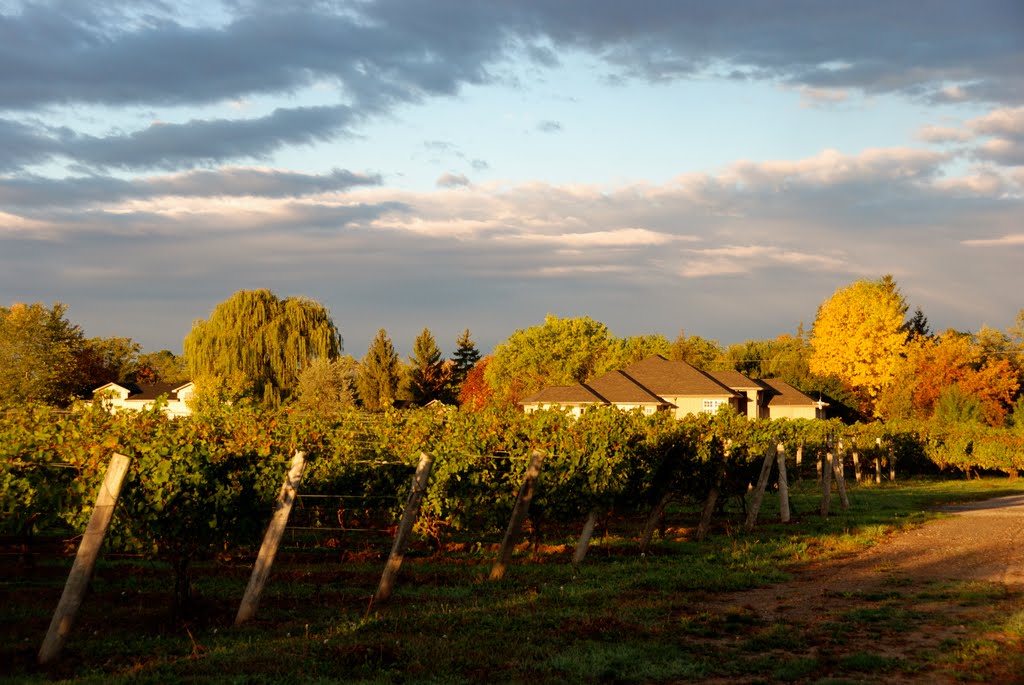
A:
x: 716, y: 485
x: 584, y: 542
x: 412, y: 510
x: 841, y: 477
x: 652, y: 521
x: 856, y: 459
x: 878, y: 460
x: 85, y: 559
x: 519, y: 512
x: 826, y: 477
x: 783, y: 483
x: 762, y: 484
x: 272, y: 539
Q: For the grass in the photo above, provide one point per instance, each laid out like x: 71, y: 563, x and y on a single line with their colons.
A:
x: 620, y: 618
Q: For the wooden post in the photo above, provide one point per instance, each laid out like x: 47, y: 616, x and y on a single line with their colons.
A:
x: 412, y: 511
x: 716, y: 487
x: 272, y: 539
x: 799, y: 458
x: 783, y: 483
x: 878, y: 460
x: 892, y: 466
x: 584, y: 542
x: 515, y: 523
x: 820, y: 463
x: 841, y: 481
x: 652, y: 522
x: 85, y: 560
x: 856, y: 459
x: 826, y: 479
x: 839, y: 466
x: 762, y: 483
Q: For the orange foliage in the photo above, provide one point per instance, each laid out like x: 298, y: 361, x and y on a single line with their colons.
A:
x: 476, y: 393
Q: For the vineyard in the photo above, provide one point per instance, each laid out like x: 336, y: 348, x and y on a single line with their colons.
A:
x: 208, y: 482
x: 205, y: 485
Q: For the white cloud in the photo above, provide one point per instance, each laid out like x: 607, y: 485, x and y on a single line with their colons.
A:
x: 822, y: 97
x: 1010, y: 240
x: 943, y: 134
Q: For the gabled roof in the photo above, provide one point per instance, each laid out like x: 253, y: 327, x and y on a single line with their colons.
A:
x: 781, y: 394
x: 734, y: 380
x: 675, y: 378
x: 564, y: 394
x: 144, y: 392
x: 618, y: 388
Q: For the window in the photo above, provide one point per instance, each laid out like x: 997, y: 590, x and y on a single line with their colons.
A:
x: 711, y: 406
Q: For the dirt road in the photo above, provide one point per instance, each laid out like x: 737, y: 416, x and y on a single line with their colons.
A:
x: 939, y: 603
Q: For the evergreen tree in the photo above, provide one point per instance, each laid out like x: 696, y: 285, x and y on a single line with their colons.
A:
x: 259, y: 344
x: 429, y: 375
x: 464, y: 359
x: 379, y: 374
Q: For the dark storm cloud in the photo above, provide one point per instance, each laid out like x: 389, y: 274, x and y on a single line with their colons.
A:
x: 38, y: 191
x: 400, y: 50
x: 199, y: 142
x: 878, y: 46
x: 381, y: 54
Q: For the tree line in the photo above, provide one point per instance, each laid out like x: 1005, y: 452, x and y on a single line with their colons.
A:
x: 864, y: 355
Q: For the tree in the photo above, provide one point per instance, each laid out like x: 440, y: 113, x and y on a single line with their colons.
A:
x: 917, y: 326
x: 259, y: 344
x: 700, y: 352
x: 102, y: 360
x: 475, y: 393
x: 379, y: 374
x: 558, y: 352
x: 934, y: 365
x: 466, y: 356
x: 637, y: 348
x: 39, y: 352
x: 161, y: 367
x: 429, y: 375
x: 858, y: 336
x: 327, y: 386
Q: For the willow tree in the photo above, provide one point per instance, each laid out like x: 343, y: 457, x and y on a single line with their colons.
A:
x: 259, y: 344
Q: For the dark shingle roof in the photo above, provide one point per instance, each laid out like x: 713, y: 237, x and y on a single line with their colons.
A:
x: 618, y: 388
x: 668, y: 378
x: 564, y: 394
x: 781, y: 394
x: 734, y: 380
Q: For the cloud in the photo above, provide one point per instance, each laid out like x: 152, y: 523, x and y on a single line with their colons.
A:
x: 943, y: 134
x: 447, y: 180
x: 33, y: 192
x: 549, y: 126
x: 821, y: 97
x: 1003, y: 241
x: 733, y: 259
x: 200, y: 142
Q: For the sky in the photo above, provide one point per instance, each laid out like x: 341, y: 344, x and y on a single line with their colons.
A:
x: 717, y: 168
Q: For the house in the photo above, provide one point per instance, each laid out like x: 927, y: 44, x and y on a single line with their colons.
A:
x: 783, y: 401
x: 140, y: 396
x: 657, y: 384
x: 654, y: 384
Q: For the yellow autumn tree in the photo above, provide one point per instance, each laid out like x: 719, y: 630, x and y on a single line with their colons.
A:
x: 859, y: 337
